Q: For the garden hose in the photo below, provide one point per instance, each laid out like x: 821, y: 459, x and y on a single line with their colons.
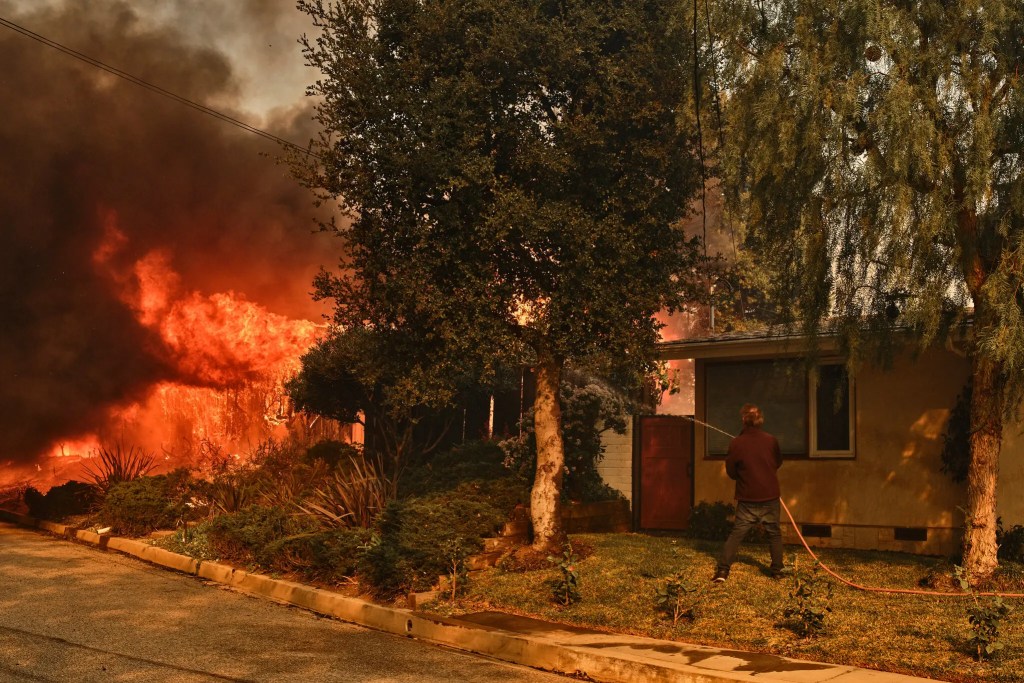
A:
x: 874, y: 589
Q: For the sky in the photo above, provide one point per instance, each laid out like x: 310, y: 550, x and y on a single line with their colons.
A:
x: 100, y: 174
x: 257, y: 37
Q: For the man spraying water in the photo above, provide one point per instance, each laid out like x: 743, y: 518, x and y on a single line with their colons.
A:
x: 753, y: 459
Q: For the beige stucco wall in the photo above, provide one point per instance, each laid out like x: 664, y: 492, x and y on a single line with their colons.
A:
x: 616, y: 468
x: 895, y: 479
x: 1009, y: 500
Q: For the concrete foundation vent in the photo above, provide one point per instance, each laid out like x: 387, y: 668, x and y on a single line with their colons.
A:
x: 910, y: 533
x: 816, y: 530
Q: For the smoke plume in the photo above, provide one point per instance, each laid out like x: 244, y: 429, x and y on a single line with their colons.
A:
x: 84, y: 150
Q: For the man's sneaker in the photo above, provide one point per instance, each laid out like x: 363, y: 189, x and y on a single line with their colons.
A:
x: 720, y: 576
x: 782, y: 573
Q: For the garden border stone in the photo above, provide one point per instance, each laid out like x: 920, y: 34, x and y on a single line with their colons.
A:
x: 600, y: 656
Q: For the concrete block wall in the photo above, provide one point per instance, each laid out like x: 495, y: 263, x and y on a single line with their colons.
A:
x: 616, y: 468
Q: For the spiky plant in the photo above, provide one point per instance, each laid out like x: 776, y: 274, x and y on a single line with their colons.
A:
x: 114, y: 464
x: 352, y: 496
x: 231, y: 493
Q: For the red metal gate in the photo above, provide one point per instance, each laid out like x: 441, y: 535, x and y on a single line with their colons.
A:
x: 665, y: 471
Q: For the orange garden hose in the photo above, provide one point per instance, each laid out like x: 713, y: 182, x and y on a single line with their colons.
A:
x: 871, y: 589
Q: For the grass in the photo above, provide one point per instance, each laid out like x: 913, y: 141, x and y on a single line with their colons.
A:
x: 921, y: 636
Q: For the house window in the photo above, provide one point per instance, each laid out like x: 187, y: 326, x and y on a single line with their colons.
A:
x: 831, y: 412
x: 779, y: 388
x: 811, y: 414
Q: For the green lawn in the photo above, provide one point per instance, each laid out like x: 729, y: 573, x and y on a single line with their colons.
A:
x: 922, y: 636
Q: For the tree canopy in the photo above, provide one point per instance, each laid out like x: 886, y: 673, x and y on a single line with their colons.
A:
x: 512, y: 171
x: 873, y: 153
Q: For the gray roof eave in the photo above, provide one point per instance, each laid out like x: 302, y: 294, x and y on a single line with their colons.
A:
x: 751, y: 345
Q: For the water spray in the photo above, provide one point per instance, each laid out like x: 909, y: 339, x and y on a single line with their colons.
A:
x: 843, y: 580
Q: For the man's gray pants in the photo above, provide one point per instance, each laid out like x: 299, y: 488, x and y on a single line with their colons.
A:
x: 748, y: 515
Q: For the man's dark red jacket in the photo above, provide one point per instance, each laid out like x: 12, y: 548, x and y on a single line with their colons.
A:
x: 753, y: 458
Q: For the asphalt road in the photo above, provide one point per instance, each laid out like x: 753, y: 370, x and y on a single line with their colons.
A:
x: 72, y: 613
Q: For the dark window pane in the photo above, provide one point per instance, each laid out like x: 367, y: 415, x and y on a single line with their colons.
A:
x: 833, y: 409
x: 779, y: 388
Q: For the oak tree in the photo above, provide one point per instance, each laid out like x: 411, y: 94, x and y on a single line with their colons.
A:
x: 512, y: 171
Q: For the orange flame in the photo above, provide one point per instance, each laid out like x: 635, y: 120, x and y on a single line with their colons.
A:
x: 230, y: 354
x: 224, y: 339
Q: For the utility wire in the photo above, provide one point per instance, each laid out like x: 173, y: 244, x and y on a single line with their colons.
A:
x: 154, y: 88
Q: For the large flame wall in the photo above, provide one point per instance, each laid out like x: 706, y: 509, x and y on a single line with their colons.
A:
x: 156, y: 267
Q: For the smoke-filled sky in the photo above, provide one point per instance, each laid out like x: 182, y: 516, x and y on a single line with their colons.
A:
x: 87, y: 156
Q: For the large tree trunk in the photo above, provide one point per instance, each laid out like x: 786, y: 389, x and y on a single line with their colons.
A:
x: 546, y: 496
x: 986, y: 440
x: 980, y: 559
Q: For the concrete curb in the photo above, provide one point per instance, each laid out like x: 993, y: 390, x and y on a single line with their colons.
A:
x: 596, y: 662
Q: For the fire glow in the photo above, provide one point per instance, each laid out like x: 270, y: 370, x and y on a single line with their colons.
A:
x: 229, y: 358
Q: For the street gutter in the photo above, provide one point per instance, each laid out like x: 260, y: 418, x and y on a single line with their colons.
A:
x: 599, y: 656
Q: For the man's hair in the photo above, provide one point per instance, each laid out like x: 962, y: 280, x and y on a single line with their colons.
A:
x: 751, y: 415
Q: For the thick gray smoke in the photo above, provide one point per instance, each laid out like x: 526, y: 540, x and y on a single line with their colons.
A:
x: 79, y: 145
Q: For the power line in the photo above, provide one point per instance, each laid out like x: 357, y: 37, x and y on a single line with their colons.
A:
x: 153, y: 87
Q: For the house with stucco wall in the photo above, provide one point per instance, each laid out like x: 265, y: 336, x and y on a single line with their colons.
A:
x: 862, y: 454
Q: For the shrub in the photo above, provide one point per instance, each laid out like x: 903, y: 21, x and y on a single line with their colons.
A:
x: 985, y: 619
x: 1011, y: 542
x: 292, y: 486
x: 473, y: 461
x: 502, y: 495
x: 331, y: 555
x: 12, y: 494
x: 191, y: 541
x: 710, y: 521
x: 809, y: 602
x: 677, y: 597
x: 142, y: 505
x: 70, y: 498
x: 273, y: 474
x: 138, y: 507
x: 245, y: 535
x: 331, y: 453
x: 431, y: 524
x: 273, y: 459
x: 455, y: 553
x: 230, y: 492
x: 414, y: 537
x: 565, y: 587
x: 384, y: 568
